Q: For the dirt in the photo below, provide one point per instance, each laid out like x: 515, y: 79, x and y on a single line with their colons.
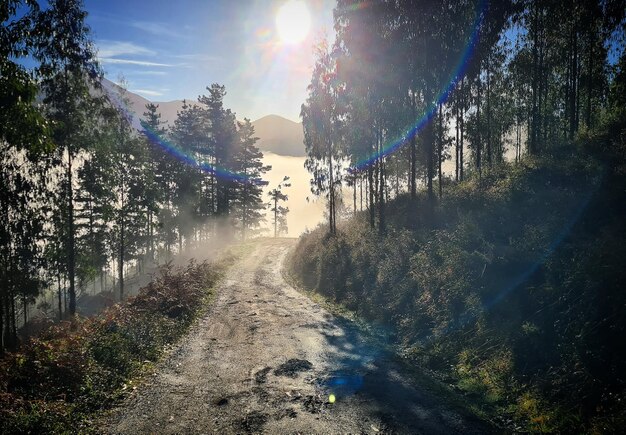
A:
x: 266, y: 359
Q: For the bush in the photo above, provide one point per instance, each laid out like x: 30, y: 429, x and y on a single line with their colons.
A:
x: 72, y: 370
x: 511, y: 287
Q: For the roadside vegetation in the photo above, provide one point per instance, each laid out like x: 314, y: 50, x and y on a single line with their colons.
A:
x: 472, y: 156
x: 508, y: 288
x: 58, y: 381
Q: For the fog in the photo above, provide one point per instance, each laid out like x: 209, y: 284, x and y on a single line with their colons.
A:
x: 302, y: 215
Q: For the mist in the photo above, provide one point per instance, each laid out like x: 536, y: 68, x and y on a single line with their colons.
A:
x: 303, y: 215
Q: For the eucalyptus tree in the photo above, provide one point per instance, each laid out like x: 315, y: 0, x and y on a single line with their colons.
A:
x: 320, y: 120
x: 370, y: 92
x: 94, y: 211
x: 21, y: 229
x: 21, y: 122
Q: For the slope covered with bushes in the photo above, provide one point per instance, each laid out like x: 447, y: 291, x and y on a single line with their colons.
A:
x: 56, y: 382
x: 509, y: 288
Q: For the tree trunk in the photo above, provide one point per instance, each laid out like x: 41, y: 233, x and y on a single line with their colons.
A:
x: 120, y: 272
x: 361, y: 191
x: 456, y: 142
x: 331, y: 194
x: 370, y: 179
x: 60, y: 294
x: 573, y: 89
x: 275, y: 216
x: 440, y: 150
x: 489, y: 150
x: 2, y: 323
x: 429, y: 140
x: 25, y: 306
x: 381, y: 180
x: 478, y: 128
x: 71, y: 257
x: 532, y: 148
x: 589, y: 78
x: 462, y: 129
x: 413, y: 175
x: 354, y: 193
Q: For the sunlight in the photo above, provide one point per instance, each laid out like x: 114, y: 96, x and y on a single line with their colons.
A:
x: 293, y: 22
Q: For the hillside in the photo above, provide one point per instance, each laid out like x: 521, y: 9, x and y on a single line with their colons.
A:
x: 280, y: 136
x: 510, y: 289
x: 276, y: 134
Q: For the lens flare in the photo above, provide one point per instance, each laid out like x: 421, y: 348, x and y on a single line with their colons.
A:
x: 331, y: 398
x: 170, y: 147
x: 457, y: 74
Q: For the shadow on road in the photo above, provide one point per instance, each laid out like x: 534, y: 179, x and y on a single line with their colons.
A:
x: 365, y: 372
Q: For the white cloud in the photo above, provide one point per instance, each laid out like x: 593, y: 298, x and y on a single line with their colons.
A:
x: 133, y: 62
x: 109, y: 49
x: 147, y: 92
x: 148, y: 73
x: 158, y: 29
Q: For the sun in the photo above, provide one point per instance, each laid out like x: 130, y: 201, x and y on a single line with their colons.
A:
x: 293, y: 22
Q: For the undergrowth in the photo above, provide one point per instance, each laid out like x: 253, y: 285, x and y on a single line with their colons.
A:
x: 509, y: 288
x: 58, y: 381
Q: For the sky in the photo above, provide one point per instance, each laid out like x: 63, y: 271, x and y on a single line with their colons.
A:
x: 173, y: 49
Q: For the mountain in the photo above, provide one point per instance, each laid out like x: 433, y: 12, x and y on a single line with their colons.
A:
x: 280, y: 136
x: 276, y: 134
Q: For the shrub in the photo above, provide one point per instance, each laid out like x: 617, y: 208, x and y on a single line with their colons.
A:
x: 512, y: 286
x: 56, y: 380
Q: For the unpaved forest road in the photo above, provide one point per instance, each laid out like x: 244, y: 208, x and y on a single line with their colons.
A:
x: 266, y: 358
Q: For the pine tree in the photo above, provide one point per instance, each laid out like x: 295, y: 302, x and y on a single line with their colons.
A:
x: 157, y: 175
x: 189, y: 135
x: 248, y: 201
x: 279, y: 212
x: 223, y: 143
x: 67, y: 68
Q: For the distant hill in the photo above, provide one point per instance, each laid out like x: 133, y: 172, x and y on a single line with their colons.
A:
x: 276, y: 134
x: 280, y: 136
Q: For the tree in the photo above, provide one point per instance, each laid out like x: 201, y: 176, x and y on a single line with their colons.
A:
x: 223, y: 143
x: 280, y: 212
x: 247, y: 198
x: 129, y: 171
x: 24, y: 143
x: 68, y: 68
x: 21, y: 123
x: 157, y: 176
x: 320, y: 119
x: 190, y: 135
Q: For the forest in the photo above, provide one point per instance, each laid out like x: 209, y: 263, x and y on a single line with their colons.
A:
x: 472, y: 155
x: 85, y: 198
x: 472, y: 158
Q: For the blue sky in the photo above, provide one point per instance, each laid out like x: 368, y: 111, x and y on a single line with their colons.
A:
x: 168, y: 50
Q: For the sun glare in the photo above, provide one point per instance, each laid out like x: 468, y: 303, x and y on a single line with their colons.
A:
x: 293, y: 22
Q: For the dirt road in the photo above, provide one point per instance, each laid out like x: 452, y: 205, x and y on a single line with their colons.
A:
x: 266, y: 359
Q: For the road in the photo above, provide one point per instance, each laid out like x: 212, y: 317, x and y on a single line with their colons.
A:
x: 266, y: 358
